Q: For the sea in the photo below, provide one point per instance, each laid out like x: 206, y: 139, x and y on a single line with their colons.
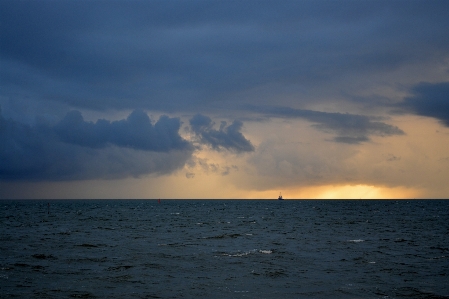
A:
x: 224, y: 249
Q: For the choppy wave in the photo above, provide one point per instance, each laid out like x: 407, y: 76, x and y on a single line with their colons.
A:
x: 224, y: 249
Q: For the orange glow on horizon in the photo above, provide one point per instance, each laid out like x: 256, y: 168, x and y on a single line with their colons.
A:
x: 342, y: 192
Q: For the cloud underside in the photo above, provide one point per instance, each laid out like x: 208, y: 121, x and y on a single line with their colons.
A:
x: 219, y: 58
x: 74, y: 149
x: 227, y: 136
x: 430, y: 100
x: 77, y: 149
x: 348, y: 128
x: 135, y: 132
x: 169, y: 57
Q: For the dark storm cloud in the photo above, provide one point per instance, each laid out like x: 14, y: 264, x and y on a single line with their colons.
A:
x: 227, y: 136
x: 135, y: 132
x: 75, y: 149
x: 430, y: 100
x: 187, y: 55
x: 350, y: 128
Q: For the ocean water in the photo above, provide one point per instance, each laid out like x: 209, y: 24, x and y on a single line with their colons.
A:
x: 224, y: 249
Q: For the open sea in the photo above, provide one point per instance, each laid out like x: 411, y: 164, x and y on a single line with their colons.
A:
x: 224, y: 249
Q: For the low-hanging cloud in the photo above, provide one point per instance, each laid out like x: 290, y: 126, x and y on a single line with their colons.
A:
x: 135, y: 132
x: 227, y: 136
x: 100, y: 150
x: 349, y: 128
x: 429, y: 100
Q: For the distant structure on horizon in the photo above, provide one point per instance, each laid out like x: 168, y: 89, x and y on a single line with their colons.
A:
x: 280, y: 196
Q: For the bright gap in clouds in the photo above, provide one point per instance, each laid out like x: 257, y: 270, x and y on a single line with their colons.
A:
x: 361, y: 192
x: 341, y: 192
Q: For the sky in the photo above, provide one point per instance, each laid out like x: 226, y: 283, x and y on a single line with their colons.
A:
x: 224, y: 99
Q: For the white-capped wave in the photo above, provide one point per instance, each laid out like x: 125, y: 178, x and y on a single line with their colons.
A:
x: 244, y: 253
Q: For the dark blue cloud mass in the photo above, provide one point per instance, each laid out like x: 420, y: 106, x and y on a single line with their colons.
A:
x: 349, y: 128
x: 135, y: 132
x: 226, y: 59
x: 194, y: 55
x: 76, y: 149
x: 227, y: 136
x: 429, y: 100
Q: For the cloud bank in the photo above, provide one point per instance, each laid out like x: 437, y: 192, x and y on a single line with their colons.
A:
x: 430, y: 100
x: 136, y: 132
x: 191, y: 56
x: 326, y: 75
x: 227, y: 136
x: 76, y: 149
x: 349, y: 128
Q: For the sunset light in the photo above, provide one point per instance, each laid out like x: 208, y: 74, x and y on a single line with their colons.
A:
x: 148, y: 99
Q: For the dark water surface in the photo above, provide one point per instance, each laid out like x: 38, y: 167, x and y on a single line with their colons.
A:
x: 224, y: 249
